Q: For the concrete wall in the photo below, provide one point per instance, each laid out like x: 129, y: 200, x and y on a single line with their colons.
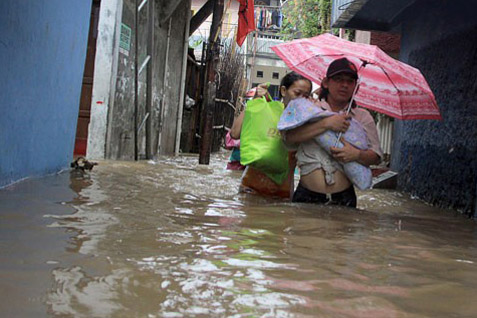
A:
x: 262, y: 74
x: 437, y: 160
x: 268, y: 68
x: 42, y: 55
x: 105, y: 71
x: 121, y: 119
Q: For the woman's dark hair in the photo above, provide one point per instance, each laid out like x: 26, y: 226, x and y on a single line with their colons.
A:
x: 324, y: 95
x: 291, y: 78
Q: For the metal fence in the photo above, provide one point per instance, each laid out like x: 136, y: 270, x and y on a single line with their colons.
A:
x: 385, y: 127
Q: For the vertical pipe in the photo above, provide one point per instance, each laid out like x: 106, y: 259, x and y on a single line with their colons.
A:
x: 150, y: 68
x: 388, y: 135
x: 136, y: 88
x: 474, y: 212
x: 164, y: 85
x: 382, y: 132
x: 183, y: 79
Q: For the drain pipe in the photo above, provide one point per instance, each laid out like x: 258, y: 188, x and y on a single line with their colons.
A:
x: 136, y: 78
x: 183, y: 83
x: 164, y: 80
x: 474, y: 213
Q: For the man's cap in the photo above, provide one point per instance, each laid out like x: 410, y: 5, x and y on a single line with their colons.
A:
x: 342, y: 65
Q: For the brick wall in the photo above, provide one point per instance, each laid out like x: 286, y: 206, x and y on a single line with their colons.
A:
x: 388, y: 42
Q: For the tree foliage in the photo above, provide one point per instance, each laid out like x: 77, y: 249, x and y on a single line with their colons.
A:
x: 306, y: 18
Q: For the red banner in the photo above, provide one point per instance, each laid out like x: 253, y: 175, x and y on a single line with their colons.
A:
x: 246, y: 23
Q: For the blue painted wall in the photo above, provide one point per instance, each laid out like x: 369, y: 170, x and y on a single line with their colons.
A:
x: 437, y: 161
x: 42, y: 55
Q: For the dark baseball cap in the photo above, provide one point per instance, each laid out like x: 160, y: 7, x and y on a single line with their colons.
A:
x: 342, y: 65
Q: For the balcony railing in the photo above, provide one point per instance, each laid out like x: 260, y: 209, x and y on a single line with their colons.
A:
x: 262, y: 46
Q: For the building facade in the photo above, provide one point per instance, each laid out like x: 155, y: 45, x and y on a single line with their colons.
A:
x: 263, y: 65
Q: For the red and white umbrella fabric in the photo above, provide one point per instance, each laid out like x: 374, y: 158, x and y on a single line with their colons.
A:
x: 387, y: 85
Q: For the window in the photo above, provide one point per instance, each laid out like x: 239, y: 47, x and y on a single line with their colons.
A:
x: 259, y: 73
x: 275, y: 75
x: 274, y: 91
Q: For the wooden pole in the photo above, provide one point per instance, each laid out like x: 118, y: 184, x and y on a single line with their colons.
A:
x: 183, y: 81
x: 136, y: 78
x: 149, y: 79
x: 210, y: 87
x: 201, y: 15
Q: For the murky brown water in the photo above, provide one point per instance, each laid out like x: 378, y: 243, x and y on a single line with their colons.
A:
x: 174, y: 239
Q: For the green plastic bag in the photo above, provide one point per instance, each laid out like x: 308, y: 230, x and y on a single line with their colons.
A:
x: 261, y: 145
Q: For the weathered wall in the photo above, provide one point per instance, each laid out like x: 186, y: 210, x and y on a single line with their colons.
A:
x: 437, y: 160
x: 121, y: 130
x: 173, y: 78
x: 106, y: 64
x: 42, y: 55
x: 166, y: 82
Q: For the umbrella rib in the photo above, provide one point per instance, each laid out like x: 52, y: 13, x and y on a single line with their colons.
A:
x: 339, y: 54
x: 387, y: 75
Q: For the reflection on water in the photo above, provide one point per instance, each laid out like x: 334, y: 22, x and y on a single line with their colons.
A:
x: 172, y: 238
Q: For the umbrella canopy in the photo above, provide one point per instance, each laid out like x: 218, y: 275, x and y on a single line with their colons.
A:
x: 387, y: 85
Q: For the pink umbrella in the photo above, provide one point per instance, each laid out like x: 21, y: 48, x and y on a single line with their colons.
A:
x: 386, y: 85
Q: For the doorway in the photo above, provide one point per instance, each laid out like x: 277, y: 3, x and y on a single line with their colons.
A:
x: 84, y: 115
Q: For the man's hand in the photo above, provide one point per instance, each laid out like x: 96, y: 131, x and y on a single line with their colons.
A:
x: 346, y: 154
x: 338, y: 123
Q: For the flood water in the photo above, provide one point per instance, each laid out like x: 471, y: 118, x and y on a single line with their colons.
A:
x: 172, y: 238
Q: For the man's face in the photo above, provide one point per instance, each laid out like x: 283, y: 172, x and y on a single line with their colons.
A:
x: 340, y: 87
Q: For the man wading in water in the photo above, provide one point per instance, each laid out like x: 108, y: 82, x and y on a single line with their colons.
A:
x: 321, y: 178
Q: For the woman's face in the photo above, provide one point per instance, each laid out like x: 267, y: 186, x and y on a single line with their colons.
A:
x: 300, y: 88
